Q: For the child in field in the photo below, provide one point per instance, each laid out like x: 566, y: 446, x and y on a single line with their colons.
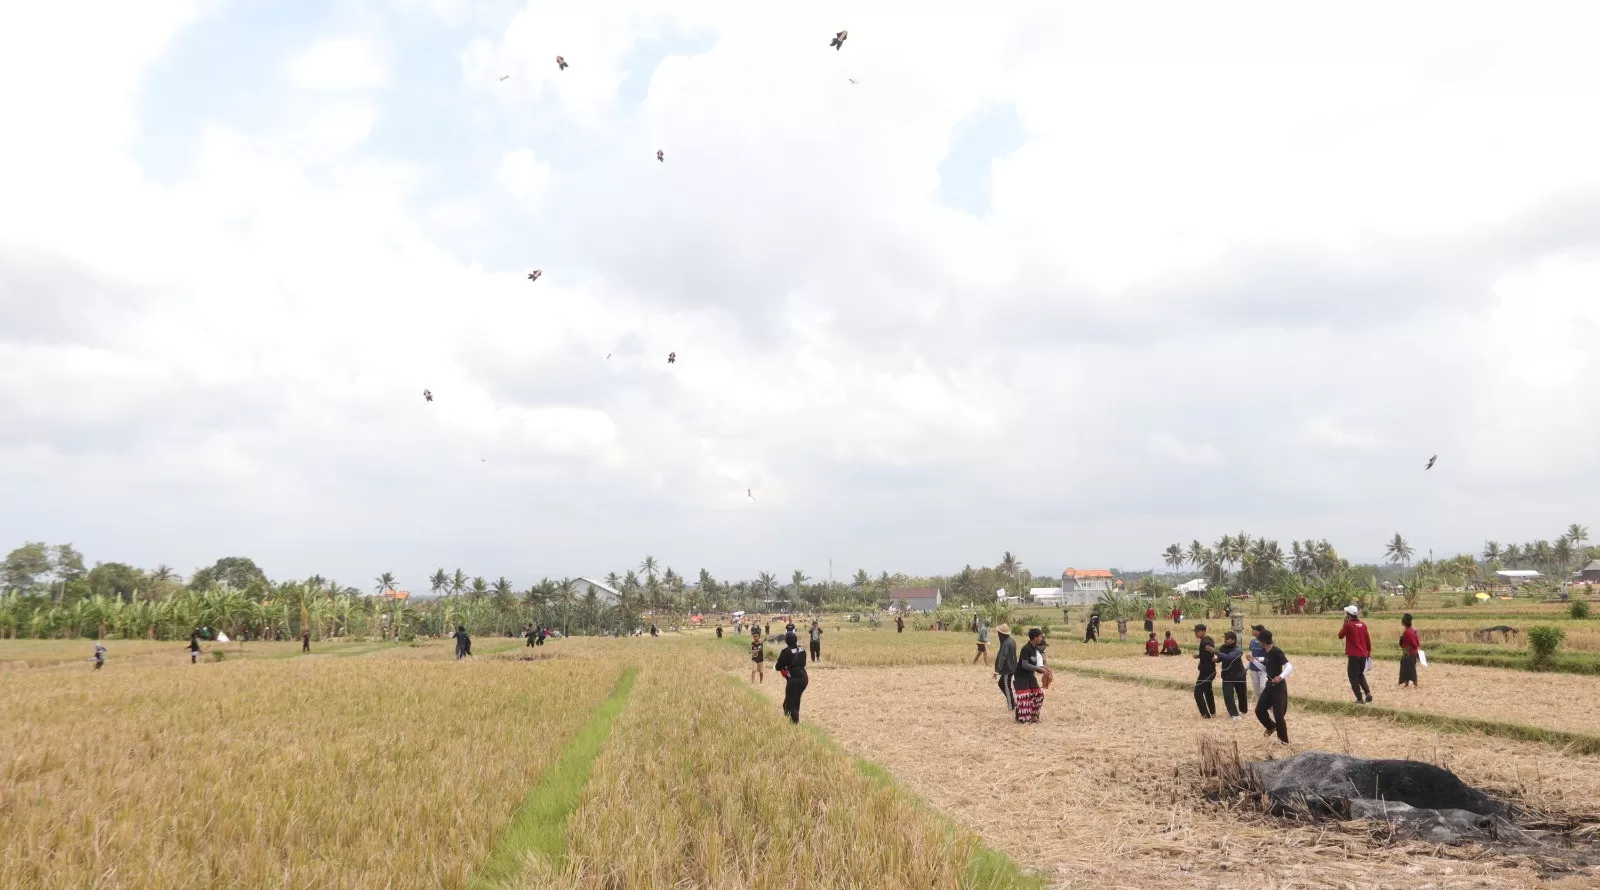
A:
x: 1170, y: 646
x: 1151, y: 647
x: 758, y: 655
x: 99, y: 656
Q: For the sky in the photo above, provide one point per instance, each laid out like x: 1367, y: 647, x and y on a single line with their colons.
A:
x: 1071, y: 280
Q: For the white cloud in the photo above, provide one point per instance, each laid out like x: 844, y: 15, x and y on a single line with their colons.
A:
x: 526, y: 177
x: 339, y: 64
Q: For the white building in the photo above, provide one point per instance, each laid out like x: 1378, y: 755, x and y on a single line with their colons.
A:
x: 1195, y: 587
x: 582, y: 586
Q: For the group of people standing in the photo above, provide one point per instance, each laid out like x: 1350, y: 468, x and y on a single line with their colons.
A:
x: 1022, y: 676
x: 791, y: 664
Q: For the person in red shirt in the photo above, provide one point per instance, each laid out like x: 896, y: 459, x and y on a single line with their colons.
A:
x: 1357, y: 652
x: 1410, y: 643
x: 1177, y: 614
x: 1150, y: 620
x: 1170, y: 646
x: 1151, y: 647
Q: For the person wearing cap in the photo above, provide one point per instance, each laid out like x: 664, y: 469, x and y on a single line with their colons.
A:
x: 1273, y: 706
x: 1205, y: 695
x: 983, y: 642
x: 1031, y: 670
x: 1231, y: 657
x: 1357, y: 651
x: 1151, y: 647
x: 1005, y: 665
x: 1256, y: 673
x: 792, y: 665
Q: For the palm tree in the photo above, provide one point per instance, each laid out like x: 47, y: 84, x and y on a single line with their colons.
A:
x: 798, y: 578
x: 613, y: 581
x: 649, y: 567
x: 385, y: 582
x: 1576, y: 533
x: 458, y: 583
x: 1491, y: 551
x: 1561, y: 553
x: 766, y: 584
x: 1542, y: 554
x: 1197, y: 553
x: 1397, y: 550
x: 439, y: 582
x: 1174, y: 557
x: 1223, y: 550
x: 480, y: 589
x: 1512, y: 554
x: 862, y: 581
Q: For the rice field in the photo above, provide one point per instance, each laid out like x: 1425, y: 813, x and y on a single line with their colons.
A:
x: 368, y: 764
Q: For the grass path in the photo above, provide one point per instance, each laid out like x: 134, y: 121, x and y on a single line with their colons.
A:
x: 539, y: 826
x: 1581, y: 743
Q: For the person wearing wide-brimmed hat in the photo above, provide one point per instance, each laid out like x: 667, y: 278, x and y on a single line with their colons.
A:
x: 1030, y: 678
x: 1005, y: 665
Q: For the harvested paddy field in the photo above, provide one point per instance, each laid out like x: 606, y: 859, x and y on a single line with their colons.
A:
x: 1104, y: 792
x: 1548, y: 701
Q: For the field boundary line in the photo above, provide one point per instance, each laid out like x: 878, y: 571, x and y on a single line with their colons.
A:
x: 539, y: 825
x: 989, y: 869
x: 1577, y: 742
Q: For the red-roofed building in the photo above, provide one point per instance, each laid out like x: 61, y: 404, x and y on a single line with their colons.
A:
x: 1087, y: 581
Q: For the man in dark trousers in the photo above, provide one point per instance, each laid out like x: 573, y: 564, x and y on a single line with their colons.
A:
x: 305, y: 640
x: 1274, y: 702
x: 1205, y: 697
x: 1231, y: 657
x: 1005, y: 665
x: 792, y: 665
x: 1357, y: 651
x: 1091, y: 629
x: 899, y: 624
x: 816, y: 641
x: 463, y: 642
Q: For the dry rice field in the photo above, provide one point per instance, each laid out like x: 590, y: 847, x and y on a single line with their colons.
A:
x: 1103, y: 792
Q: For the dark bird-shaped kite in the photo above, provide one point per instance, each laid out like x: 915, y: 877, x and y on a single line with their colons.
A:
x: 853, y: 80
x: 839, y: 39
x: 660, y: 156
x: 1430, y: 462
x: 534, y: 275
x: 428, y: 394
x: 672, y: 358
x: 749, y: 494
x: 562, y: 62
x: 504, y: 78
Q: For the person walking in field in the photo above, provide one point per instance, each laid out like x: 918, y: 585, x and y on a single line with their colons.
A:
x: 792, y: 665
x: 816, y: 641
x: 1357, y: 651
x: 758, y: 656
x: 1177, y: 615
x: 899, y: 623
x: 1231, y: 658
x: 1091, y: 629
x: 1410, y: 645
x: 1151, y: 647
x: 1005, y: 665
x: 1254, y: 668
x: 463, y: 642
x: 1030, y: 678
x: 983, y: 643
x: 719, y: 631
x: 1273, y: 706
x: 1205, y: 696
x: 1150, y: 619
x: 1122, y: 628
x: 194, y: 647
x: 99, y: 656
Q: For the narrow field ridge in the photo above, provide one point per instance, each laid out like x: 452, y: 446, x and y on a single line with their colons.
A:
x: 540, y: 823
x: 1576, y: 742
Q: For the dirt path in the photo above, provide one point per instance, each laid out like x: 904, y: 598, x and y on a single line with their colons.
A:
x: 1110, y: 778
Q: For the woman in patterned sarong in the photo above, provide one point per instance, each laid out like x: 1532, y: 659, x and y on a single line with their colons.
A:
x: 1032, y: 675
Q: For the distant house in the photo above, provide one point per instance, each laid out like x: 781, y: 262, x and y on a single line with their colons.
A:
x: 1590, y: 572
x: 1096, y: 581
x: 1049, y: 596
x: 918, y: 599
x: 1195, y: 587
x: 1513, y: 577
x: 607, y: 595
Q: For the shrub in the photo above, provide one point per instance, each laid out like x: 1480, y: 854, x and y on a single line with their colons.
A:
x: 1578, y: 609
x: 1468, y: 599
x: 1544, y: 640
x: 217, y: 655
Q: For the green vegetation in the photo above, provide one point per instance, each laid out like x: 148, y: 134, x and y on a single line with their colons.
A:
x: 1544, y: 640
x: 1578, y: 609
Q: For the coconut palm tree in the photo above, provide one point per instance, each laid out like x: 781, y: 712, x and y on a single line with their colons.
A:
x: 479, y: 590
x: 458, y: 583
x: 1512, y: 555
x: 1561, y: 556
x: 1197, y: 553
x: 1576, y: 533
x: 1398, y: 550
x: 649, y: 567
x: 766, y: 585
x: 1174, y: 557
x: 1491, y: 551
x: 439, y: 582
x: 385, y: 582
x: 797, y: 579
x: 1542, y: 554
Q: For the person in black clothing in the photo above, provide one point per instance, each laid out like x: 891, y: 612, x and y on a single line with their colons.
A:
x: 194, y: 647
x: 792, y: 665
x: 463, y: 642
x: 529, y: 633
x: 719, y: 631
x: 1091, y: 630
x: 816, y: 641
x: 1005, y: 665
x: 1205, y: 696
x: 1231, y: 657
x: 1273, y: 705
x: 758, y: 655
x: 305, y: 640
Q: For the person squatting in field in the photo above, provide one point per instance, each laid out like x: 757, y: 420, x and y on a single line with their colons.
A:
x: 1357, y: 651
x: 792, y: 665
x: 1205, y: 696
x: 1231, y: 657
x: 1005, y: 665
x: 1273, y: 706
x: 1032, y: 674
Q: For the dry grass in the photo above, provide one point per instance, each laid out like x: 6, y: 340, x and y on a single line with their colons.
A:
x: 302, y: 772
x: 1113, y: 773
x: 701, y: 786
x: 1549, y: 701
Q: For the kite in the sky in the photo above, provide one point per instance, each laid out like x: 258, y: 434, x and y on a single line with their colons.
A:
x: 534, y: 275
x: 839, y: 39
x: 428, y: 394
x: 608, y: 356
x: 504, y: 78
x: 853, y: 80
x: 660, y: 156
x: 1430, y: 462
x: 749, y: 494
x: 562, y: 62
x: 672, y: 358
